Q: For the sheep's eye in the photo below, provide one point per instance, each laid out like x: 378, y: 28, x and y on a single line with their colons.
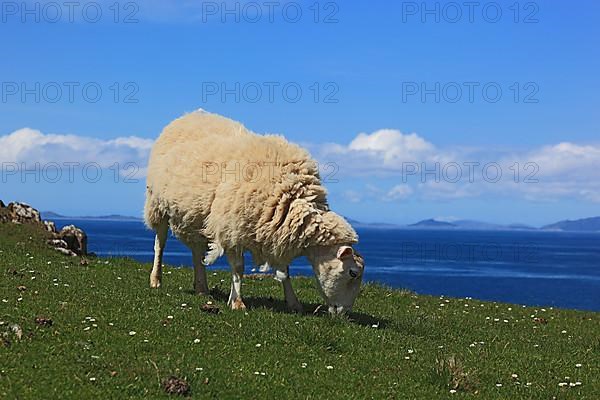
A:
x: 353, y: 274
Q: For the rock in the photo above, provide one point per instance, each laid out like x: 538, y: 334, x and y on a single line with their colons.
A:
x: 2, y: 205
x: 66, y: 252
x: 70, y: 240
x: 50, y: 226
x: 58, y: 243
x: 23, y: 213
x: 75, y: 238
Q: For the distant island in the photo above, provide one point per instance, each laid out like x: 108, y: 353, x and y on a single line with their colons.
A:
x: 50, y: 215
x: 580, y: 225
x: 432, y: 223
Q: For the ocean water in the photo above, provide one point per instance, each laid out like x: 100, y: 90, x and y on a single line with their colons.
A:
x: 559, y: 269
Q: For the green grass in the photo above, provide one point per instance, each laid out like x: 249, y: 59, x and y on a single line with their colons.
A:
x: 396, y: 345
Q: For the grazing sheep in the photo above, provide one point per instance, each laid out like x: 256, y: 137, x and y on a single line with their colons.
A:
x: 219, y: 186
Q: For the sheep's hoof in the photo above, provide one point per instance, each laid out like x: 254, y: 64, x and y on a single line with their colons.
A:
x: 296, y: 308
x: 154, y: 283
x: 238, y: 304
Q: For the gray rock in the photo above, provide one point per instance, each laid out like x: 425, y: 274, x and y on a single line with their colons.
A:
x: 66, y: 252
x: 50, y: 226
x: 23, y: 213
x: 75, y: 238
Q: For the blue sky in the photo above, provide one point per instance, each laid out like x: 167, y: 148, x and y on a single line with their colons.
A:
x: 365, y: 59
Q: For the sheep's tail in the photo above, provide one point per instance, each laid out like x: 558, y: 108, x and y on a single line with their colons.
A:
x: 214, y: 252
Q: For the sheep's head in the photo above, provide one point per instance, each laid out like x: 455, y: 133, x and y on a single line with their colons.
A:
x: 339, y: 271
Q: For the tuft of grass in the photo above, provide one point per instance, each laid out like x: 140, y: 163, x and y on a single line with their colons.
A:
x: 74, y: 329
x: 451, y: 370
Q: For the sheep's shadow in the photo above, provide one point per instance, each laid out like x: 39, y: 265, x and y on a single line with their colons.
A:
x: 316, y: 310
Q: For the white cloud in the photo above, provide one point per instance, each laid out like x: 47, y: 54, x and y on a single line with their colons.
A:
x: 28, y: 146
x: 544, y: 173
x: 392, y: 146
x: 399, y: 192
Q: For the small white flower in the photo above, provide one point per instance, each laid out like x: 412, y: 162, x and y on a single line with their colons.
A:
x: 92, y: 379
x: 258, y: 345
x: 87, y: 328
x: 169, y: 317
x: 562, y: 384
x: 563, y: 332
x: 329, y: 367
x: 303, y: 365
x: 452, y: 391
x: 410, y: 351
x: 514, y: 376
x: 183, y: 305
x: 196, y: 341
x: 498, y: 385
x: 132, y: 333
x: 577, y: 365
x: 577, y: 383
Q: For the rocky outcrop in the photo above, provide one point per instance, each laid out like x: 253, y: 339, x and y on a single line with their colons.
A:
x: 75, y: 238
x: 21, y: 213
x: 70, y: 240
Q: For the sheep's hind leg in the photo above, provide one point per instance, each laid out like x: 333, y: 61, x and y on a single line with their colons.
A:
x: 291, y: 300
x: 200, y: 281
x: 159, y: 247
x: 236, y: 261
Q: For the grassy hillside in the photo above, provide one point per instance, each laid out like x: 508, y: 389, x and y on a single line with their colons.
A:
x: 98, y: 331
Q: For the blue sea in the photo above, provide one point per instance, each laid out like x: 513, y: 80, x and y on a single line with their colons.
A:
x: 540, y: 268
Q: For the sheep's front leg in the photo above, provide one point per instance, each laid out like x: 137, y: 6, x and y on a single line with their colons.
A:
x: 236, y: 261
x: 291, y: 300
x: 200, y: 281
x: 159, y: 247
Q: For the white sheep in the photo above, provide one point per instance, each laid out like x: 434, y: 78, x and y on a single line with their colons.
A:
x: 219, y: 186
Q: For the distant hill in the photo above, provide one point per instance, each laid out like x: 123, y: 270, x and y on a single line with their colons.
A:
x: 50, y: 215
x: 379, y: 225
x: 581, y: 225
x: 476, y: 225
x: 432, y: 223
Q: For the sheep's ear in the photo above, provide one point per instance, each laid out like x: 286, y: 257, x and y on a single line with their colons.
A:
x: 345, y: 251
